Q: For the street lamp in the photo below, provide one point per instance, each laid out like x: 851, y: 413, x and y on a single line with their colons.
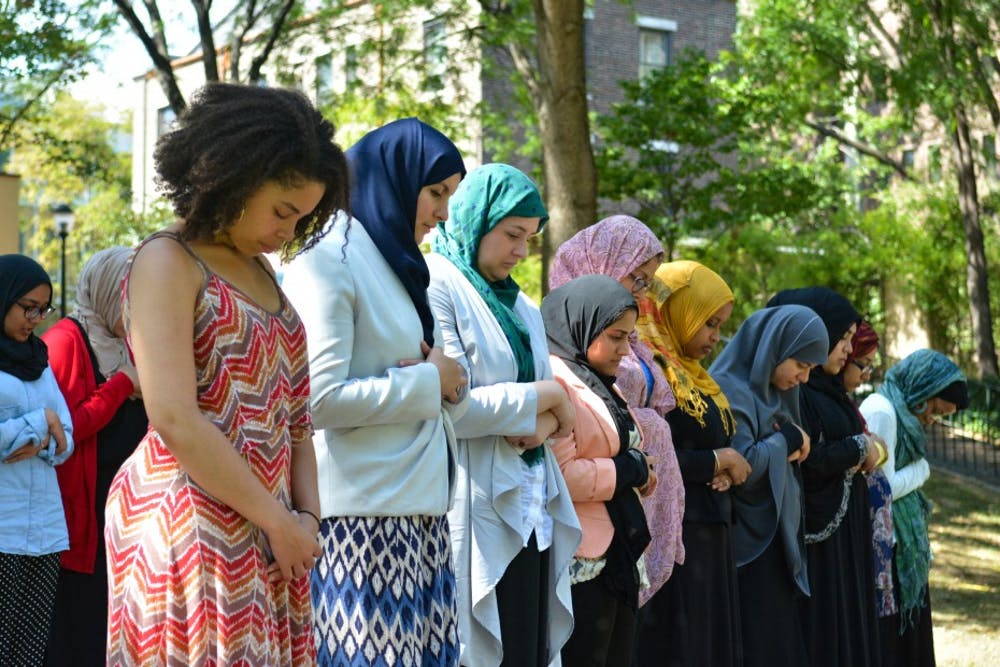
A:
x: 63, y: 216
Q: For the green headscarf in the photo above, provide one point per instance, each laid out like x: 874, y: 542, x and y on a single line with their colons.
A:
x: 483, y: 199
x: 909, y: 385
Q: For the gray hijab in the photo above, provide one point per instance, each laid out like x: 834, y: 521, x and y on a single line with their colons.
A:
x: 770, y: 502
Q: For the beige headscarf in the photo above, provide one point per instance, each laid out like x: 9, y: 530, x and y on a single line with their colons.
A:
x: 99, y: 306
x: 681, y: 298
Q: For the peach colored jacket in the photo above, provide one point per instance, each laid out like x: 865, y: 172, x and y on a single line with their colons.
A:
x: 585, y: 460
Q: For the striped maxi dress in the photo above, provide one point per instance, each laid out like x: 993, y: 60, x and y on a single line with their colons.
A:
x: 187, y: 581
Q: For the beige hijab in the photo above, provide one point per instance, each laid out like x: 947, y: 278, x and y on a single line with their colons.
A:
x: 99, y: 306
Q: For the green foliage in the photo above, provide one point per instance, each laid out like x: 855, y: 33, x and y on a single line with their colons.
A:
x: 404, y: 83
x: 44, y: 44
x: 67, y: 156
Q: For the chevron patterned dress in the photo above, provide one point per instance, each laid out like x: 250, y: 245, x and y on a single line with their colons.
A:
x: 186, y: 573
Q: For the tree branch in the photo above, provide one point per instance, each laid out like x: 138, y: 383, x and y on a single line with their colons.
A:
x: 207, y: 37
x: 279, y: 23
x: 870, y: 151
x: 160, y: 57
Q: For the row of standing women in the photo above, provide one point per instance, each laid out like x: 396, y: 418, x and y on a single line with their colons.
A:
x: 491, y: 483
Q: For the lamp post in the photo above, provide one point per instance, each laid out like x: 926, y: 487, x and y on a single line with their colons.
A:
x: 63, y: 216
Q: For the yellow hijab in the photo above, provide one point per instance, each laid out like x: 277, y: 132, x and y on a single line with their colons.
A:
x: 680, y: 299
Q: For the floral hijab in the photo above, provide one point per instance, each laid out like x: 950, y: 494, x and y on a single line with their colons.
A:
x: 681, y: 298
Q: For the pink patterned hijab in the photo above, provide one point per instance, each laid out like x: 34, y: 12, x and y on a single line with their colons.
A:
x: 616, y: 246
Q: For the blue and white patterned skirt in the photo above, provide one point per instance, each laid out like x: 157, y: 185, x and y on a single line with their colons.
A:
x: 384, y: 593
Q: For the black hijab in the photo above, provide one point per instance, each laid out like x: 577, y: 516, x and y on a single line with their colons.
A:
x: 836, y: 312
x: 18, y: 276
x: 575, y: 314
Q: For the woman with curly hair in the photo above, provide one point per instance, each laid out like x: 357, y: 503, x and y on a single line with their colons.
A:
x: 211, y: 523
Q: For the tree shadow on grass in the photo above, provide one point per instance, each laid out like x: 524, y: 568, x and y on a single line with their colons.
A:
x: 965, y: 538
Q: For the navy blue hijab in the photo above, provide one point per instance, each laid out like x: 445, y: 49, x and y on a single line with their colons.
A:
x: 18, y: 276
x: 389, y: 166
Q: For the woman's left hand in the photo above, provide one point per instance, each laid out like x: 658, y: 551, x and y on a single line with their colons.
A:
x: 651, y: 481
x: 24, y: 452
x: 721, y: 482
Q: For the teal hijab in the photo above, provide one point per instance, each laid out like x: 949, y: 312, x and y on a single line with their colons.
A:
x: 908, y: 385
x: 483, y: 199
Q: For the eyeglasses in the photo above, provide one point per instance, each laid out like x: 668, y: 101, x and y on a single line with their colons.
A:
x: 865, y: 370
x: 35, y: 312
x: 638, y: 283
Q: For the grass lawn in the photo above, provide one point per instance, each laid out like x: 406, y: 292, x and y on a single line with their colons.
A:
x: 965, y: 573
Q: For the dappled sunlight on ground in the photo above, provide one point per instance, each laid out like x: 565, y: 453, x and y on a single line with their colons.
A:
x: 965, y: 574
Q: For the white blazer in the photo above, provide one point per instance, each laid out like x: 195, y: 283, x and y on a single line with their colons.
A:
x: 382, y: 438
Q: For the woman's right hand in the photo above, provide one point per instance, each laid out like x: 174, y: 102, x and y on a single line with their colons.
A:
x: 55, y: 431
x: 133, y: 375
x: 733, y: 464
x: 295, y: 549
x: 800, y: 454
x: 453, y: 377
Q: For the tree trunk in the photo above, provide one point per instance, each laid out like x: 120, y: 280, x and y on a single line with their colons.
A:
x: 569, y: 173
x: 976, y: 278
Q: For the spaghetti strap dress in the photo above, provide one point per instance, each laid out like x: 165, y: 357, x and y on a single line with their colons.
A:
x: 187, y: 574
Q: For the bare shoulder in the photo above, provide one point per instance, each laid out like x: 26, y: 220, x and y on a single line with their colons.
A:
x: 162, y: 264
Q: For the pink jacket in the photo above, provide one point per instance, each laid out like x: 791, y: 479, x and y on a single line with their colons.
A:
x: 585, y: 460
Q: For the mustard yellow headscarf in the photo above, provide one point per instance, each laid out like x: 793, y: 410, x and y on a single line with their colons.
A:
x: 680, y: 299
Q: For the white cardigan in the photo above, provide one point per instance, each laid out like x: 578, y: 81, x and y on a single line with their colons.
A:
x: 383, y: 445
x: 486, y: 521
x: 880, y: 414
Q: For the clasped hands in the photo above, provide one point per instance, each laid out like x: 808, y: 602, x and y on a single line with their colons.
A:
x: 55, y: 430
x: 454, y: 380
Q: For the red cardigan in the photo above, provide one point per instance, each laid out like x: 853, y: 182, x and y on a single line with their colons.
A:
x: 91, y: 408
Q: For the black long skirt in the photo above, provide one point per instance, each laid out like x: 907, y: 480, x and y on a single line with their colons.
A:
x: 915, y: 646
x: 694, y: 619
x: 769, y: 612
x: 841, y: 616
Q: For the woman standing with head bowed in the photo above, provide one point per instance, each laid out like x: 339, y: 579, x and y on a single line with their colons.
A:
x: 384, y: 588
x: 210, y: 524
x: 760, y: 371
x: 839, y: 617
x: 623, y: 248
x: 35, y: 435
x: 589, y: 321
x: 90, y: 361
x: 513, y: 542
x: 695, y: 619
x: 857, y: 370
x: 921, y: 388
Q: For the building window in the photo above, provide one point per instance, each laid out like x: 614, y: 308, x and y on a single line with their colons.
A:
x: 350, y: 65
x: 435, y: 52
x: 908, y: 158
x: 324, y: 78
x: 990, y: 156
x: 165, y: 118
x: 934, y: 164
x: 655, y: 37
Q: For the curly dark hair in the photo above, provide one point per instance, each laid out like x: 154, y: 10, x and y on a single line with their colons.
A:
x: 234, y: 138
